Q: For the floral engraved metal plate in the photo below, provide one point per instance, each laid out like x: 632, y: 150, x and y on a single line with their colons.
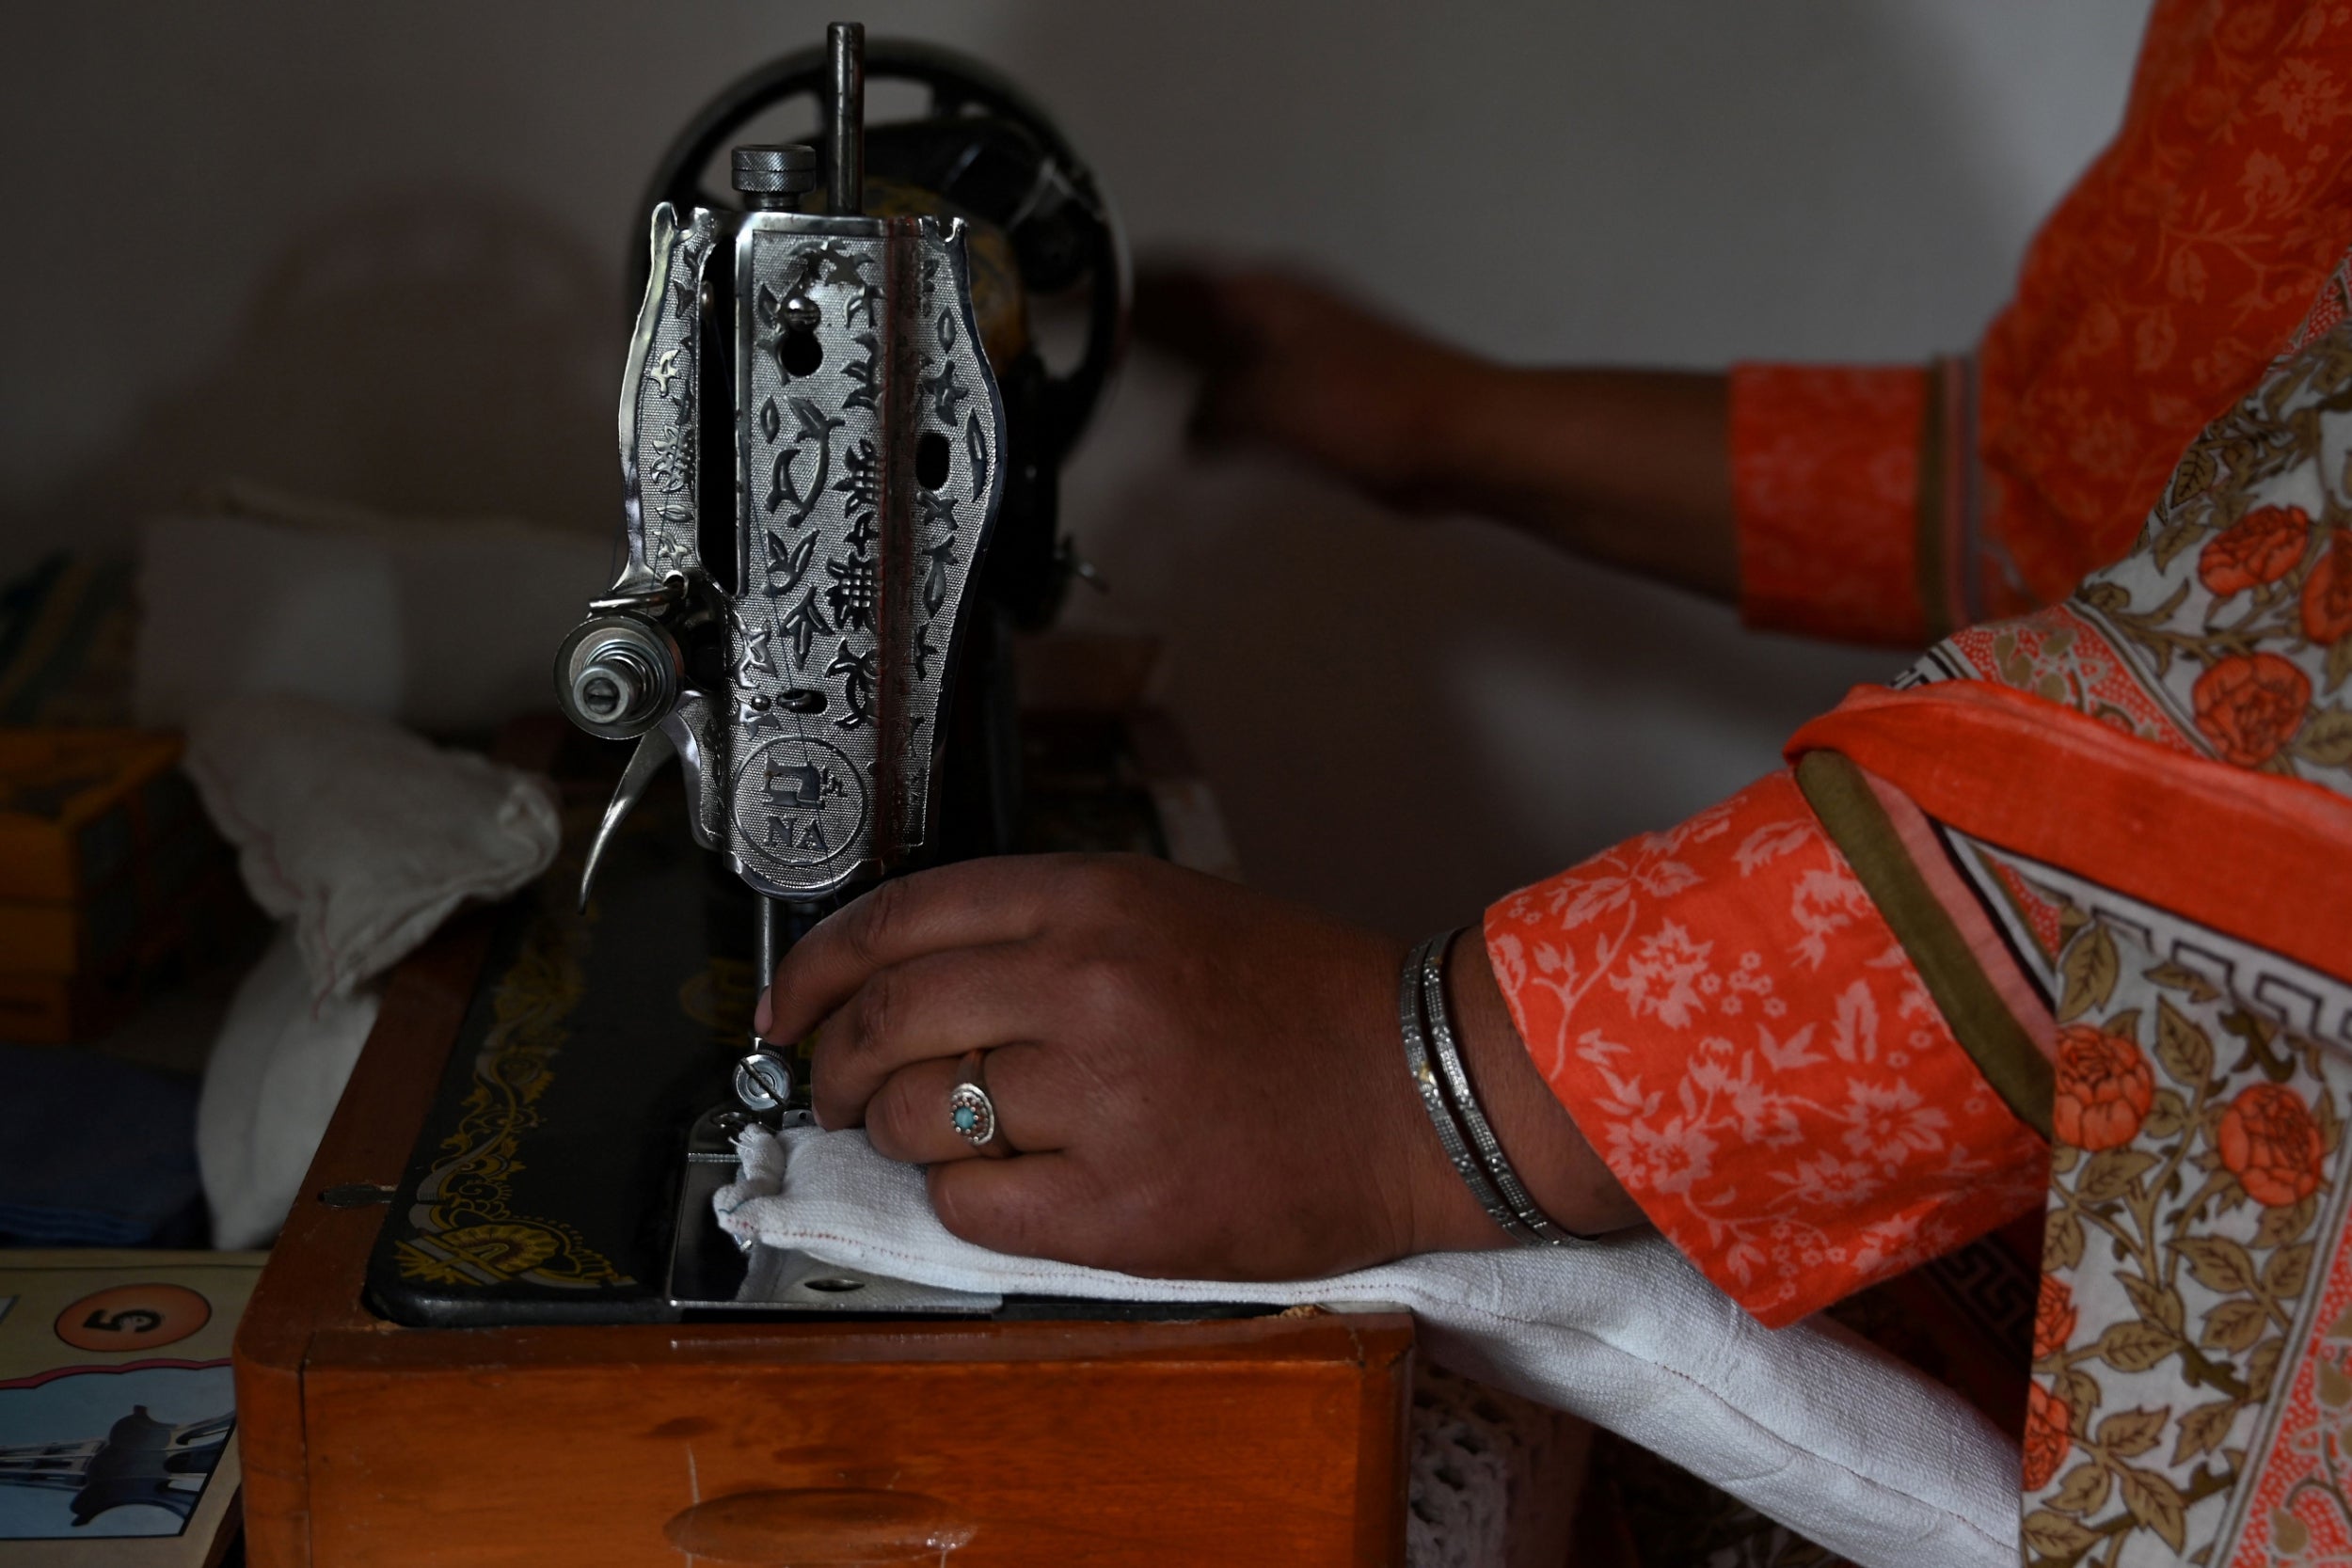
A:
x: 868, y: 432
x: 658, y: 407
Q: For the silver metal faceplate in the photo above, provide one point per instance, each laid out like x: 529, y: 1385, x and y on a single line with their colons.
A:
x: 859, y: 372
x: 659, y: 438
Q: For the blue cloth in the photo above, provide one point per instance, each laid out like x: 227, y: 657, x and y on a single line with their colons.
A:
x: 95, y: 1152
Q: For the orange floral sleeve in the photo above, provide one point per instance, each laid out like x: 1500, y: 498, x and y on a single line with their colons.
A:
x: 1825, y: 481
x: 1897, y: 505
x: 1743, y: 1038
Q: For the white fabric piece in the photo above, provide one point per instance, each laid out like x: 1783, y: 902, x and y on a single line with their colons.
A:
x: 1471, y: 1452
x: 444, y: 625
x: 1810, y: 1425
x: 360, y: 833
x: 270, y: 1086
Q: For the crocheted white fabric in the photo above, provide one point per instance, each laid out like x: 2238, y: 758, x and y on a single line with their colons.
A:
x: 1808, y: 1425
x: 1473, y: 1453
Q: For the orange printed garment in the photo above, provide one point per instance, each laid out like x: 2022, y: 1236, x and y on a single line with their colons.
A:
x: 1739, y: 1035
x: 1825, y: 473
x: 2151, y: 298
x: 2137, y: 805
x: 2173, y: 865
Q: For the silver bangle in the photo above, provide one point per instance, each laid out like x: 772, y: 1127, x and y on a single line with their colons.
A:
x: 1433, y: 1096
x: 1534, y: 1224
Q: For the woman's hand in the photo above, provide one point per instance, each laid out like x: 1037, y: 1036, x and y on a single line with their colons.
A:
x: 1627, y: 467
x: 1198, y: 1081
x: 1291, y: 365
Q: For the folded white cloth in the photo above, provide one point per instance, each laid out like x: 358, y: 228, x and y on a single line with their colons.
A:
x: 361, y: 838
x: 270, y: 1086
x: 364, y: 835
x: 1810, y: 1425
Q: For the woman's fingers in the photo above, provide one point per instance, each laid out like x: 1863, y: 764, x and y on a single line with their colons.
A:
x: 1195, y: 1080
x: 910, y: 1118
x: 1035, y: 1206
x: 993, y: 899
x: 932, y: 1007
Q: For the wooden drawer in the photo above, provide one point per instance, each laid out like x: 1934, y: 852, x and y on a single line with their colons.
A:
x: 1263, y: 1441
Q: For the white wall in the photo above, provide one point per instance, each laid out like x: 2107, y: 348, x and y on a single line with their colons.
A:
x: 374, y: 253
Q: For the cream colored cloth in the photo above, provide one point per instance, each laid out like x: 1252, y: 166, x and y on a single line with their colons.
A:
x: 360, y: 833
x: 361, y: 839
x: 1808, y: 1424
x: 270, y: 1086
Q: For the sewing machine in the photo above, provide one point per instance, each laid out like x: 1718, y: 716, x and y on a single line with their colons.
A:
x: 838, y: 444
x: 502, y: 1327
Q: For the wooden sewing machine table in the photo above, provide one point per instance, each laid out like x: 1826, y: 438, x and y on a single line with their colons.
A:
x: 1273, y: 1440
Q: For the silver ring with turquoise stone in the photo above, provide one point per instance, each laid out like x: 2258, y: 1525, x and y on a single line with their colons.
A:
x: 972, y: 1114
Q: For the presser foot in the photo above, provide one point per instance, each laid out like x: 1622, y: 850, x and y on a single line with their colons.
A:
x: 710, y: 1273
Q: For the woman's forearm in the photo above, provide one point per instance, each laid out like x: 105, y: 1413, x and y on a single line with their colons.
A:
x: 1566, y: 1176
x: 1630, y: 467
x: 1627, y: 467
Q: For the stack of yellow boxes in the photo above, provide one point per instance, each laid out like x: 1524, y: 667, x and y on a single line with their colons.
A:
x: 112, y: 884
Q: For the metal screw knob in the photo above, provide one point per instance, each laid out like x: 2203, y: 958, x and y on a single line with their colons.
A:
x: 601, y: 695
x: 612, y: 688
x: 774, y: 176
x: 763, y: 1081
x: 617, y: 674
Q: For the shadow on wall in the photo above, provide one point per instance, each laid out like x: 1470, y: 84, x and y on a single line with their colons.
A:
x: 1562, y: 180
x: 436, y: 352
x: 1404, y: 719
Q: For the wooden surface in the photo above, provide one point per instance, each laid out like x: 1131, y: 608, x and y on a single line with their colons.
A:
x: 1253, y: 1443
x: 1268, y: 1440
x: 311, y: 1285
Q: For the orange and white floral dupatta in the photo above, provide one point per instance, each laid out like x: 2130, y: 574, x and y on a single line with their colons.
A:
x: 2066, y: 914
x: 2063, y: 921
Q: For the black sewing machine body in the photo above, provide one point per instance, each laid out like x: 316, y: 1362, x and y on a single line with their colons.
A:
x: 564, y: 1170
x: 840, y: 447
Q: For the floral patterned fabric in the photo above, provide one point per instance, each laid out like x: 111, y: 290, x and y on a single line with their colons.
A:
x: 1825, y: 466
x: 2228, y: 632
x: 2152, y: 297
x: 2190, y: 1398
x: 2192, y: 1391
x: 2195, y: 1222
x: 1739, y: 1034
x: 2145, y: 791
